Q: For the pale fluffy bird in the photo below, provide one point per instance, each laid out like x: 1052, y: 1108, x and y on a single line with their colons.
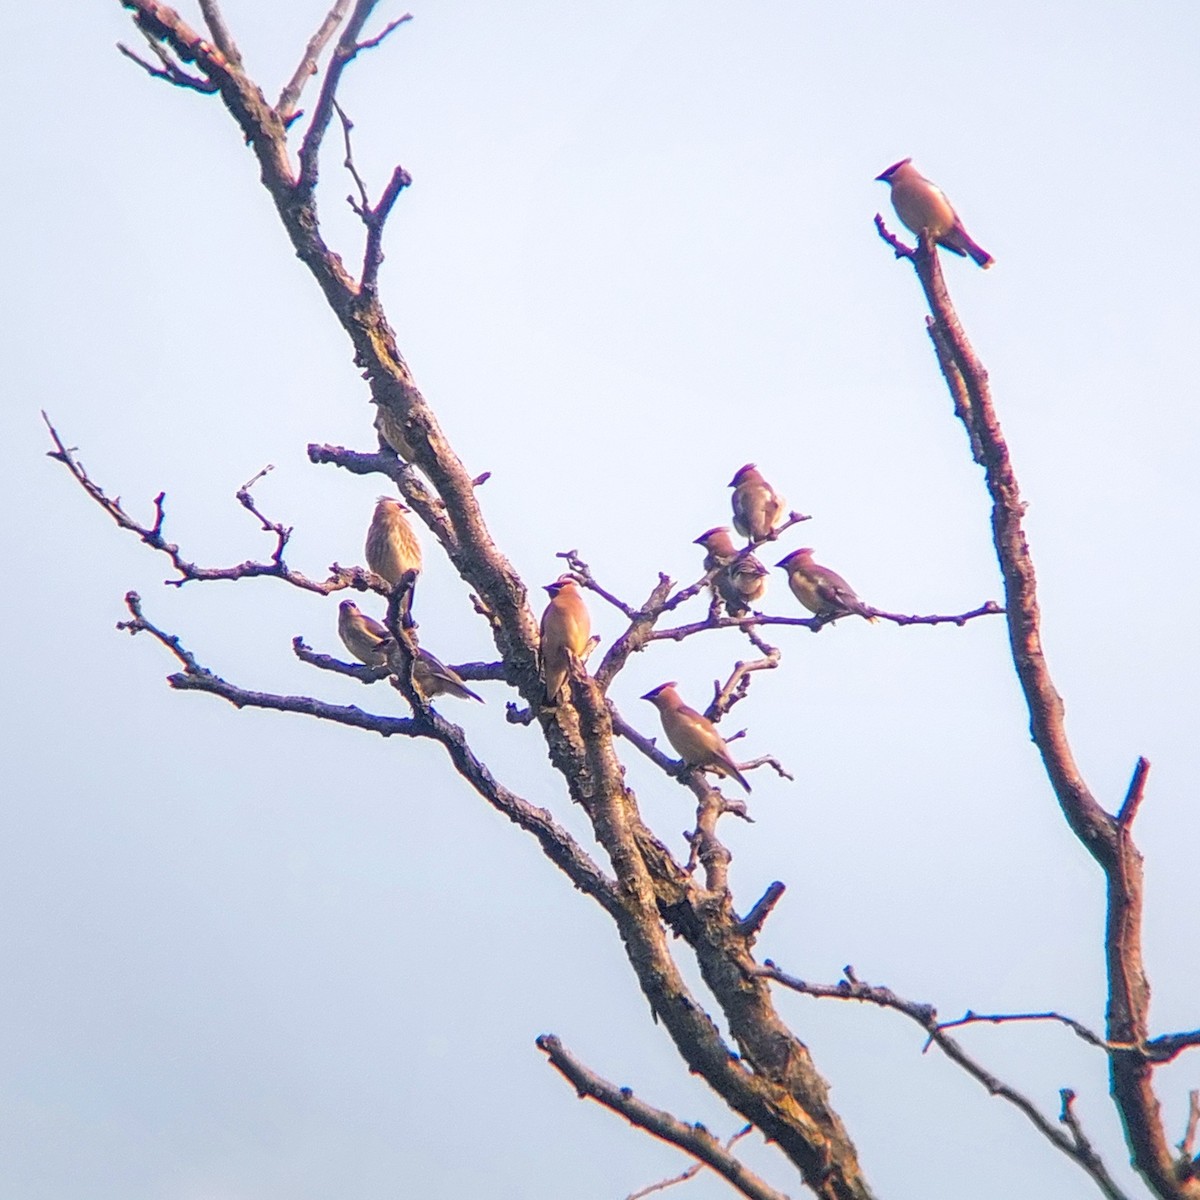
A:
x: 566, y: 631
x: 819, y: 589
x: 740, y: 579
x: 392, y: 548
x: 757, y: 507
x: 923, y: 207
x: 693, y: 735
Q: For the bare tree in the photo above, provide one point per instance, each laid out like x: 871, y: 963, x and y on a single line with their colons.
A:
x: 762, y: 1069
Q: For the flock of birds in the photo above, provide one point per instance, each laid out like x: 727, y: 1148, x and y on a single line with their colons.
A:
x: 738, y: 578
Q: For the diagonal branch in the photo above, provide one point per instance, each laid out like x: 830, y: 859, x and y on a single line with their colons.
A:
x: 1107, y: 838
x: 215, y: 20
x: 344, y: 53
x: 152, y: 536
x: 690, y: 1173
x: 692, y: 1139
x: 170, y: 70
x: 290, y: 96
x: 557, y: 844
x: 925, y: 1015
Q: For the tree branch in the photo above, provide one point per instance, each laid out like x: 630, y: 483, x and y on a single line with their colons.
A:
x: 556, y: 843
x: 290, y: 96
x: 692, y: 1139
x: 691, y: 1171
x: 1108, y: 839
x: 152, y: 535
x: 925, y: 1015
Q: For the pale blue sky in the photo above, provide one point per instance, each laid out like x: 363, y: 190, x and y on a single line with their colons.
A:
x: 253, y: 958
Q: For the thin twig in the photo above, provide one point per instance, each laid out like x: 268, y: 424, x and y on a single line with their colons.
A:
x: 152, y: 535
x: 691, y: 1171
x: 290, y: 96
x: 925, y: 1015
x: 170, y: 71
x: 215, y: 21
x: 693, y: 1139
x: 754, y: 920
x: 1187, y: 1147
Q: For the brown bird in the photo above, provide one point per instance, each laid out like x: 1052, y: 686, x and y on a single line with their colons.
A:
x: 741, y: 579
x: 718, y: 545
x: 923, y: 207
x: 363, y: 636
x: 391, y: 429
x: 434, y: 678
x: 757, y: 508
x: 741, y: 584
x: 693, y: 735
x: 819, y: 589
x: 566, y: 631
x: 392, y: 547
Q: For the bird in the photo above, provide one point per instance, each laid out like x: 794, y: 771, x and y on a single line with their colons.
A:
x: 740, y: 578
x: 391, y: 429
x: 370, y: 643
x: 742, y: 583
x: 392, y: 547
x: 434, y: 678
x: 819, y: 589
x: 718, y: 545
x: 363, y: 636
x: 756, y: 505
x: 693, y: 735
x: 566, y: 631
x: 923, y: 207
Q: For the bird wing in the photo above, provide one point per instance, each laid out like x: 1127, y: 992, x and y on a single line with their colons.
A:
x: 836, y: 591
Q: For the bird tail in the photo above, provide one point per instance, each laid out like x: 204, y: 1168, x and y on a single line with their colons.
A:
x: 964, y: 244
x: 729, y: 768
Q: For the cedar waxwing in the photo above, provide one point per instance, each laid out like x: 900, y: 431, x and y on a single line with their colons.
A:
x: 742, y: 580
x: 923, y: 206
x: 718, y: 545
x: 756, y: 506
x: 819, y: 589
x: 566, y: 631
x: 391, y: 430
x: 741, y: 583
x: 434, y: 678
x: 392, y: 547
x: 363, y: 636
x: 693, y: 735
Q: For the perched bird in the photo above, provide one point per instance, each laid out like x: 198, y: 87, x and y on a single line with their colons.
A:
x: 819, y: 589
x: 390, y: 428
x: 719, y: 550
x: 693, y: 735
x: 741, y: 584
x: 392, y: 547
x: 741, y: 578
x: 363, y: 636
x: 370, y: 643
x: 756, y: 506
x: 434, y: 678
x: 923, y: 207
x: 566, y: 631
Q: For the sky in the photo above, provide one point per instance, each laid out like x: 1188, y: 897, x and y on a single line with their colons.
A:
x: 250, y: 957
